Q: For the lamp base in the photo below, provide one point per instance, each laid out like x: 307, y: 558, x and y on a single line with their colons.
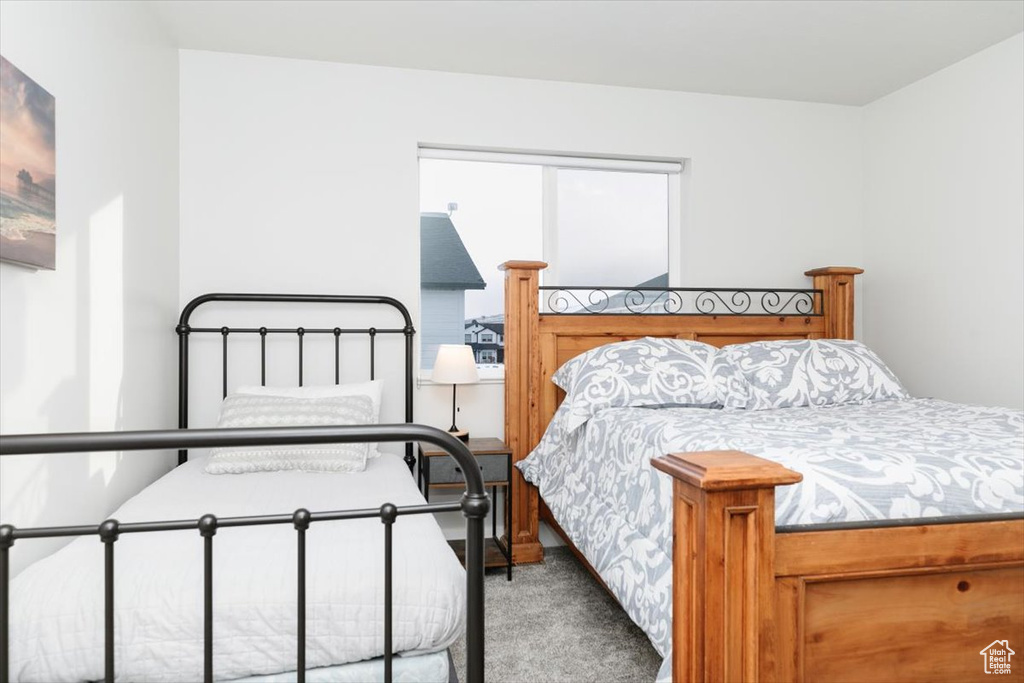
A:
x: 460, y: 434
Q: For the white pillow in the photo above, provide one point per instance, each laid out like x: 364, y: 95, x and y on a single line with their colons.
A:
x: 241, y: 410
x: 374, y: 389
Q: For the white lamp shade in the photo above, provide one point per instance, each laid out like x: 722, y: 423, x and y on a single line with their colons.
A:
x: 455, y: 365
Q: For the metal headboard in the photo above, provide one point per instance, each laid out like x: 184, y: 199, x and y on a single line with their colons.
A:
x: 185, y: 331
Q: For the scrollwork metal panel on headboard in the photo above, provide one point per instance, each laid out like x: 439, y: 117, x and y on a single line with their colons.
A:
x: 680, y: 301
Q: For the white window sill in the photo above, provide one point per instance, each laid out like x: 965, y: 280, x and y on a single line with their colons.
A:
x: 491, y: 374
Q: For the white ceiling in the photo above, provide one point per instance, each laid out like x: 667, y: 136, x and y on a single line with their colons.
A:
x: 838, y: 51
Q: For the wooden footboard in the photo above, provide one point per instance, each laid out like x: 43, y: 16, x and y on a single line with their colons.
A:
x: 909, y: 603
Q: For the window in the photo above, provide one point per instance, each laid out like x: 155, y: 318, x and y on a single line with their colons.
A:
x: 612, y: 228
x: 602, y: 222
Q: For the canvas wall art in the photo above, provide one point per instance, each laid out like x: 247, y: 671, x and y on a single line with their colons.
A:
x: 28, y: 169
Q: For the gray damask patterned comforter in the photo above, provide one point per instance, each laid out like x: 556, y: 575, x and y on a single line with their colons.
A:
x: 881, y: 460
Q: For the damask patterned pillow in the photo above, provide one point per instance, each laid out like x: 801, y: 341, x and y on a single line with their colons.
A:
x: 806, y: 372
x: 637, y: 373
x: 239, y: 411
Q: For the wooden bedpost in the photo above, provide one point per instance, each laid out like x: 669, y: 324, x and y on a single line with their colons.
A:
x: 836, y: 284
x: 723, y: 610
x: 523, y: 428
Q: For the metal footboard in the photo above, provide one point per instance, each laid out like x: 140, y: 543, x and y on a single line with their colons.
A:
x: 474, y: 506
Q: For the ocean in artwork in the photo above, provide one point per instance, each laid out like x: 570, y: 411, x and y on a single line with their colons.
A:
x: 28, y: 200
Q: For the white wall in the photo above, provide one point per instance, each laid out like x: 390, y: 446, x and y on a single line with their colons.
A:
x: 91, y: 345
x: 301, y: 175
x: 944, y: 229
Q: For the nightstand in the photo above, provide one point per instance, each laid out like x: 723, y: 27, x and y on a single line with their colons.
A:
x: 438, y: 470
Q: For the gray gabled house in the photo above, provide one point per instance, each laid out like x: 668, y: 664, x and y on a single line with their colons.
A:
x: 446, y: 272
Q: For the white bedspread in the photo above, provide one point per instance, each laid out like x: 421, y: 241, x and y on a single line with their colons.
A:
x: 57, y: 603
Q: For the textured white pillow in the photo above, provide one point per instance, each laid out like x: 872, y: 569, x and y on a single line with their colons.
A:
x: 240, y: 410
x: 374, y: 389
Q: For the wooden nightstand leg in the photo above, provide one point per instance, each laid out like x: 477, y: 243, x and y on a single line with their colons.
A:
x: 419, y: 466
x: 426, y: 479
x: 508, y: 516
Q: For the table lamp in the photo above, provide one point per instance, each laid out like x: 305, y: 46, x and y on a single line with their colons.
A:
x: 455, y: 365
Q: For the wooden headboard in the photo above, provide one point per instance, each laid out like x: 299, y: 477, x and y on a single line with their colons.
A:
x: 538, y: 343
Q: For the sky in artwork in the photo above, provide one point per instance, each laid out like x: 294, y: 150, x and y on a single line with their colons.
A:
x: 26, y: 129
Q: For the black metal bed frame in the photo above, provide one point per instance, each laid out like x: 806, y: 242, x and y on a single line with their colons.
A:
x: 474, y: 504
x: 185, y: 331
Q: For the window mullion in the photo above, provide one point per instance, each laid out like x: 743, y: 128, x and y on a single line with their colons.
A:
x: 549, y: 212
x: 675, y: 247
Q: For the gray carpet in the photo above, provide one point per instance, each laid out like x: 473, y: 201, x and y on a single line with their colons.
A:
x: 555, y: 623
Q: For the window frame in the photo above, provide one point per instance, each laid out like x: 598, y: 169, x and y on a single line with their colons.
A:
x: 676, y: 170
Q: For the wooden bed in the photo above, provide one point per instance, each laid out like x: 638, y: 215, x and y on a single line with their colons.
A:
x: 877, y: 603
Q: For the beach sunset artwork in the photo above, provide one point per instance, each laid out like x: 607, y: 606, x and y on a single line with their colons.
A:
x: 28, y: 200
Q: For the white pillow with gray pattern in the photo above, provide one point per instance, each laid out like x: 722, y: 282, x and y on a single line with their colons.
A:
x: 240, y: 411
x: 806, y: 372
x: 646, y: 372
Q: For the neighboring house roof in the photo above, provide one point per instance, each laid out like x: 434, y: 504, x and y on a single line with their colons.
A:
x: 617, y: 302
x: 444, y: 261
x: 657, y: 281
x: 493, y: 327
